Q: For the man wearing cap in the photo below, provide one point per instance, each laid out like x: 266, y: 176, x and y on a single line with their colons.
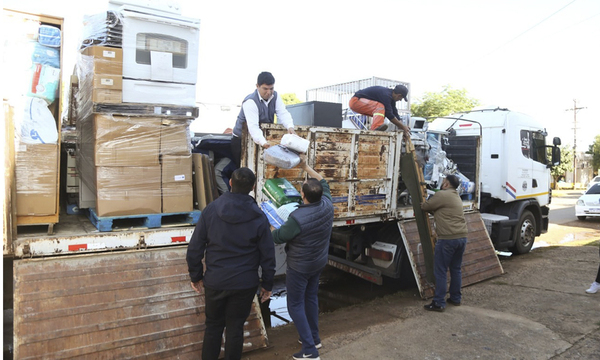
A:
x: 452, y: 231
x: 380, y: 102
x: 260, y: 107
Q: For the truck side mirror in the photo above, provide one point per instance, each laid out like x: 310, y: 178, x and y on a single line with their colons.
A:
x: 556, y: 142
x: 556, y: 154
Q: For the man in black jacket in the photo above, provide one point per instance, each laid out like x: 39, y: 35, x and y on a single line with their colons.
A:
x: 235, y: 235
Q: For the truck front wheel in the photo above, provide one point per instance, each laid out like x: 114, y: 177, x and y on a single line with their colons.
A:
x: 524, y: 233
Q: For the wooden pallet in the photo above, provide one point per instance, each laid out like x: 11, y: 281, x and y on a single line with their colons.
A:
x: 149, y: 221
x: 135, y: 109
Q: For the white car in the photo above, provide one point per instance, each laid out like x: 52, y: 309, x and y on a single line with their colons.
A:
x: 595, y: 180
x: 589, y: 203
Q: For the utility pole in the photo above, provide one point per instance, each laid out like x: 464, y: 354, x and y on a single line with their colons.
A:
x: 574, y: 109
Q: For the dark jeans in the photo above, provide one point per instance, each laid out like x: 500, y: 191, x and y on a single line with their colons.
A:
x: 598, y: 276
x: 303, y: 306
x: 448, y: 255
x: 225, y: 308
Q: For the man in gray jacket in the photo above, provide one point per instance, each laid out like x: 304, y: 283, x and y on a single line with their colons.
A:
x: 451, y: 228
x: 306, y: 234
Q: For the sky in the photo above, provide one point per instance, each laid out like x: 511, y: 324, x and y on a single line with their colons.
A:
x: 531, y: 56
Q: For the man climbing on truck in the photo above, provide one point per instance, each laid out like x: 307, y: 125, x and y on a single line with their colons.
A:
x: 380, y: 102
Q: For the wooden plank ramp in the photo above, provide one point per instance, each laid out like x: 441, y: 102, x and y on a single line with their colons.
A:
x: 480, y: 261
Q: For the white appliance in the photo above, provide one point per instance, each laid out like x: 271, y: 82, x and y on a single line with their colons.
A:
x: 154, y: 92
x: 159, y: 48
x: 160, y: 53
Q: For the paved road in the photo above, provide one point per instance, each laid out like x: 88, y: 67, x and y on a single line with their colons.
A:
x: 537, y: 310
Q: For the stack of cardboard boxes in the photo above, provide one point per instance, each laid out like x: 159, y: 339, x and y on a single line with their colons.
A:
x: 134, y: 164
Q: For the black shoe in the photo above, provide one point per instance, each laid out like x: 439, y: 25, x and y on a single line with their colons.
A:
x: 434, y: 307
x: 381, y: 128
x: 318, y: 346
x: 450, y: 301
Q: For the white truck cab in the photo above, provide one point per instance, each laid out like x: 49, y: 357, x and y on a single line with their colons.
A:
x: 514, y: 171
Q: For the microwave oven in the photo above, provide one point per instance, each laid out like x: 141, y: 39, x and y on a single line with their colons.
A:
x: 159, y: 46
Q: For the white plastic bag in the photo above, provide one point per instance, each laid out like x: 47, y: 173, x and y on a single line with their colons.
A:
x: 281, y: 156
x: 295, y: 142
x: 285, y: 210
x: 37, y: 126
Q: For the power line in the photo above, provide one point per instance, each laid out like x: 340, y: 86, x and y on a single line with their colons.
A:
x: 531, y: 28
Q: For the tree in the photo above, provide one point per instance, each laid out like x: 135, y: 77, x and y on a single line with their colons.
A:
x: 594, y: 150
x: 446, y: 102
x: 290, y: 99
x: 566, y: 163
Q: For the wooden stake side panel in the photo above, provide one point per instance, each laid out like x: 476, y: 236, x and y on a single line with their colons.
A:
x: 358, y: 165
x: 113, y: 305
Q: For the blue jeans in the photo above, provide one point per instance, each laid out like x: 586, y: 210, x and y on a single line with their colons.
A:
x: 448, y: 255
x: 303, y: 306
x: 225, y: 308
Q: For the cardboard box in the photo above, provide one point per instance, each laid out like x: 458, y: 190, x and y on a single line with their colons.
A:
x: 176, y: 169
x: 177, y: 197
x: 128, y: 177
x: 36, y: 175
x: 125, y: 141
x: 127, y: 202
x: 105, y: 81
x: 106, y: 60
x: 131, y: 190
x: 107, y: 96
x: 175, y: 138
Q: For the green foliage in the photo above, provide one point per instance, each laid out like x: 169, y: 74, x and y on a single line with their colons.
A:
x: 290, y: 99
x: 594, y: 150
x: 566, y: 163
x: 446, y: 102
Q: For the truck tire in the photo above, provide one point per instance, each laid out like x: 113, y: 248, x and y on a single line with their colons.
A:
x: 581, y: 217
x: 524, y: 233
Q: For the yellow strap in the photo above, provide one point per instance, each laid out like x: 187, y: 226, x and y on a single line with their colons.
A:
x: 375, y: 114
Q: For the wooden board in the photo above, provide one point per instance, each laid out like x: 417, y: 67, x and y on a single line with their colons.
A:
x: 412, y: 175
x: 480, y: 261
x: 206, y: 179
x: 199, y: 181
x: 120, y: 305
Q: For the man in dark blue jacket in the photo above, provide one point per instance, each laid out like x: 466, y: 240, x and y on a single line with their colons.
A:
x: 235, y: 236
x: 306, y: 234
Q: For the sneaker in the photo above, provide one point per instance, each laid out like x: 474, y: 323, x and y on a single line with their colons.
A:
x: 381, y: 128
x: 301, y: 356
x: 434, y: 307
x: 594, y: 288
x: 450, y: 301
x: 318, y: 346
